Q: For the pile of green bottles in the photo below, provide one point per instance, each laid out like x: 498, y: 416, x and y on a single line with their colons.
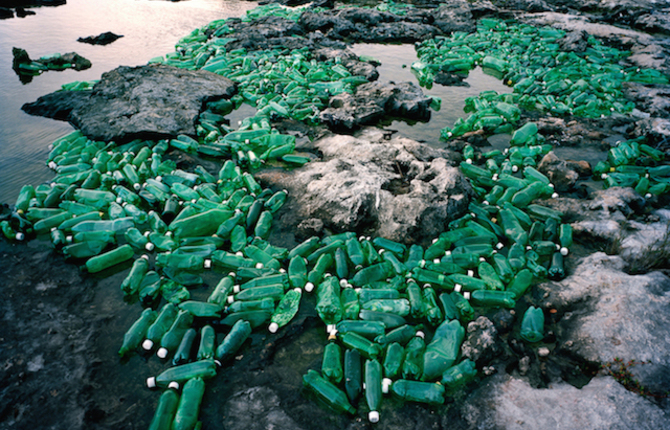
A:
x: 635, y: 164
x: 544, y: 78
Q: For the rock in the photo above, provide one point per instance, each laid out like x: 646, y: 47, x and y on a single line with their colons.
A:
x: 482, y: 343
x: 450, y: 80
x: 455, y: 16
x: 57, y: 105
x: 256, y: 408
x: 267, y: 33
x: 602, y: 404
x: 148, y: 102
x: 374, y: 100
x: 612, y: 315
x: 575, y: 41
x: 309, y: 227
x: 398, y: 188
x: 20, y: 57
x: 22, y: 13
x: 559, y: 172
x: 101, y: 39
x: 6, y: 13
x: 70, y: 60
x: 646, y: 244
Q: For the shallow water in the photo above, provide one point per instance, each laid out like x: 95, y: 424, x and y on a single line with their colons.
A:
x: 150, y: 29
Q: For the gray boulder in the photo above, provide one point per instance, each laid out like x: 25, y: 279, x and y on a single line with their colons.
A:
x: 257, y: 408
x: 610, y: 315
x: 398, y: 188
x: 374, y: 100
x: 512, y: 404
x: 148, y: 102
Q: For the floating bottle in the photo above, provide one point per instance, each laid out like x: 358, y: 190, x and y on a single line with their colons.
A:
x: 134, y: 335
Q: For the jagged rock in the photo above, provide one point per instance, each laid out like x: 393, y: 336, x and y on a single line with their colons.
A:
x: 398, y: 188
x: 6, y: 13
x: 612, y: 315
x: 575, y: 41
x: 512, y: 404
x: 101, y: 39
x: 482, y: 342
x: 561, y: 173
x: 454, y: 16
x: 374, y: 100
x: 151, y: 102
x: 22, y: 13
x: 267, y: 33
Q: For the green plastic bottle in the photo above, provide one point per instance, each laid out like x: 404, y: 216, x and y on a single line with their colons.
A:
x: 327, y: 392
x: 166, y: 410
x: 365, y: 347
x: 353, y: 375
x: 393, y: 359
x: 188, y: 410
x: 350, y: 303
x: 233, y: 341
x: 172, y: 338
x: 375, y: 272
x: 134, y: 335
x: 398, y: 307
x: 286, y: 310
x: 317, y: 273
x: 369, y: 329
x: 222, y: 290
x: 402, y: 335
x: 109, y: 259
x: 390, y: 320
x: 183, y: 353
x: 131, y: 284
x: 201, y: 309
x: 503, y: 299
x: 373, y: 388
x: 443, y: 350
x: 459, y: 375
x: 204, y: 369
x: 331, y: 366
x: 412, y: 366
x: 421, y: 392
x: 532, y: 325
x: 328, y: 302
x: 207, y: 343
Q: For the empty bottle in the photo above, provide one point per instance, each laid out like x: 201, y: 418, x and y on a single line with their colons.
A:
x: 532, y: 325
x: 443, y: 350
x: 459, y: 375
x: 188, y: 410
x: 327, y: 392
x: 204, y: 369
x: 421, y: 392
x: 331, y: 366
x: 172, y: 338
x: 353, y: 375
x: 373, y: 388
x: 286, y: 310
x: 109, y: 259
x: 233, y: 341
x: 134, y: 335
x: 166, y: 410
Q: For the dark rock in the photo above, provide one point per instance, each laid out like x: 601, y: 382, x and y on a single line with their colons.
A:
x: 20, y: 57
x: 503, y: 320
x: 374, y: 100
x: 6, y: 13
x: 57, y: 105
x: 482, y: 343
x: 256, y: 408
x: 454, y: 16
x: 151, y: 102
x: 309, y: 227
x: 22, y: 13
x: 267, y: 33
x: 78, y: 62
x: 450, y: 80
x: 559, y: 172
x: 575, y: 41
x: 101, y: 39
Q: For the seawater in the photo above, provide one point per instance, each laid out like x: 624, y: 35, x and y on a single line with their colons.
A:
x: 150, y: 28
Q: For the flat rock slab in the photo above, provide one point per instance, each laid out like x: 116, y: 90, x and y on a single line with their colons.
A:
x: 512, y: 404
x: 147, y: 102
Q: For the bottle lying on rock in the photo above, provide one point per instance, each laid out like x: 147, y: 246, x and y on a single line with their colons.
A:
x: 421, y: 392
x: 188, y: 410
x: 109, y: 259
x: 183, y: 353
x: 233, y: 341
x: 286, y: 310
x: 328, y: 302
x: 412, y: 366
x: 172, y: 338
x: 204, y: 369
x: 373, y: 388
x: 393, y: 359
x: 331, y: 365
x: 459, y: 375
x: 132, y: 282
x: 532, y: 325
x: 369, y: 329
x: 134, y: 335
x: 353, y: 375
x: 166, y: 410
x: 327, y: 392
x: 443, y: 349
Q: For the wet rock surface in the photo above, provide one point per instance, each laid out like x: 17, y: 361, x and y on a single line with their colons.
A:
x: 101, y: 39
x: 398, y: 188
x: 149, y: 102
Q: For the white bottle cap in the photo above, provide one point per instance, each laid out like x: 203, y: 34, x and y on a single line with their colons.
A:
x: 174, y: 385
x: 421, y: 334
x: 151, y: 382
x: 239, y: 254
x: 136, y: 186
x: 232, y: 274
x: 485, y: 203
x: 458, y: 288
x: 147, y: 233
x: 162, y: 353
x: 515, y: 169
x: 552, y: 185
x: 259, y: 265
x: 208, y: 263
x: 282, y: 270
x: 168, y: 234
x: 147, y: 344
x: 500, y: 245
x: 297, y: 290
x: 343, y: 283
x: 309, y: 287
x: 436, y: 260
x: 603, y: 176
x: 386, y: 385
x: 373, y: 416
x: 471, y: 273
x: 69, y: 239
x: 466, y: 295
x: 273, y: 327
x: 647, y: 196
x: 558, y: 247
x: 20, y: 236
x: 554, y: 196
x: 469, y: 161
x: 528, y: 247
x: 447, y: 253
x: 236, y: 289
x: 119, y: 200
x: 149, y: 247
x: 230, y: 299
x: 564, y: 251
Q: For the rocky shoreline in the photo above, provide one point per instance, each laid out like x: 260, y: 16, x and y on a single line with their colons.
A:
x: 604, y: 361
